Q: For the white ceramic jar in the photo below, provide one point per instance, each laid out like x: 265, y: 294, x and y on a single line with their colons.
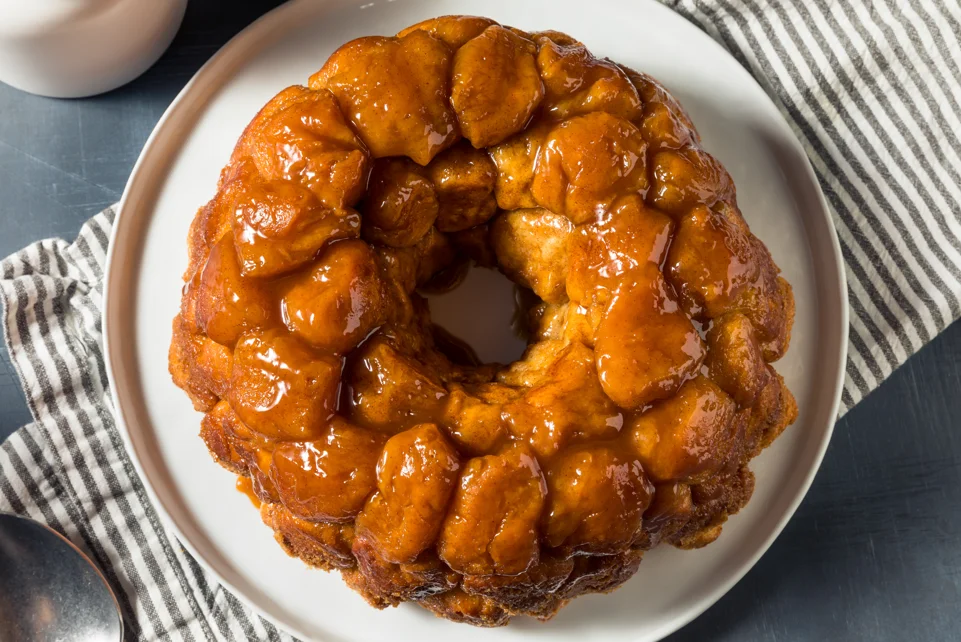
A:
x: 74, y: 48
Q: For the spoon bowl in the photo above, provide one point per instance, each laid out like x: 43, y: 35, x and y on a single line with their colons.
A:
x: 50, y: 590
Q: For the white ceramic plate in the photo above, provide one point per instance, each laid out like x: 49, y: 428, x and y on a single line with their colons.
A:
x: 178, y: 170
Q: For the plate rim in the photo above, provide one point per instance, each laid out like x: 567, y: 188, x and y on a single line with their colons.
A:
x: 232, y: 49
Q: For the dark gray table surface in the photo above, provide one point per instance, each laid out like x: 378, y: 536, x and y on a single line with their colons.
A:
x: 873, y: 553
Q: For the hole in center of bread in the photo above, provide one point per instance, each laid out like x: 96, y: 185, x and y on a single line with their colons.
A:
x: 484, y: 312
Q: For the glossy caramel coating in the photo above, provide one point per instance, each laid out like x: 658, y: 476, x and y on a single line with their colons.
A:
x: 687, y: 178
x: 463, y: 179
x: 686, y: 435
x: 280, y: 387
x: 645, y: 346
x: 496, y: 86
x: 475, y: 419
x: 390, y: 390
x: 718, y: 266
x: 327, y: 479
x: 395, y: 92
x: 628, y: 239
x: 567, y: 405
x: 587, y: 162
x: 416, y: 474
x: 578, y: 83
x: 375, y: 442
x: 596, y: 500
x: 492, y: 524
x: 228, y: 304
x: 401, y: 204
x: 735, y: 360
x: 302, y: 137
x: 339, y: 301
x: 241, y: 450
x: 279, y: 226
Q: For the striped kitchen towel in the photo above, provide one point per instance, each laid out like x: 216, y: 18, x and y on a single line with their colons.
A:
x: 872, y: 89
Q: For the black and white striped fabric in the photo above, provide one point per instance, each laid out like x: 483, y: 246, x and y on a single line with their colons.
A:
x: 872, y: 89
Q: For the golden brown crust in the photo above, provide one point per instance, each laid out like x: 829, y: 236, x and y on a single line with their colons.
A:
x: 325, y: 546
x: 461, y: 606
x: 376, y: 444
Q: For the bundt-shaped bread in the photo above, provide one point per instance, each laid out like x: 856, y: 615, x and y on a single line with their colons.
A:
x: 481, y: 491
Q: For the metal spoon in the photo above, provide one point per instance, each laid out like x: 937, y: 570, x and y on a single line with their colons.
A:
x: 50, y: 590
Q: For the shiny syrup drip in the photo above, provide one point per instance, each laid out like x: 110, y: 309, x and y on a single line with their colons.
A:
x: 245, y: 486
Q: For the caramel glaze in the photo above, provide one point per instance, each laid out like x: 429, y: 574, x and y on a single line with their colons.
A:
x: 246, y: 486
x: 375, y: 444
